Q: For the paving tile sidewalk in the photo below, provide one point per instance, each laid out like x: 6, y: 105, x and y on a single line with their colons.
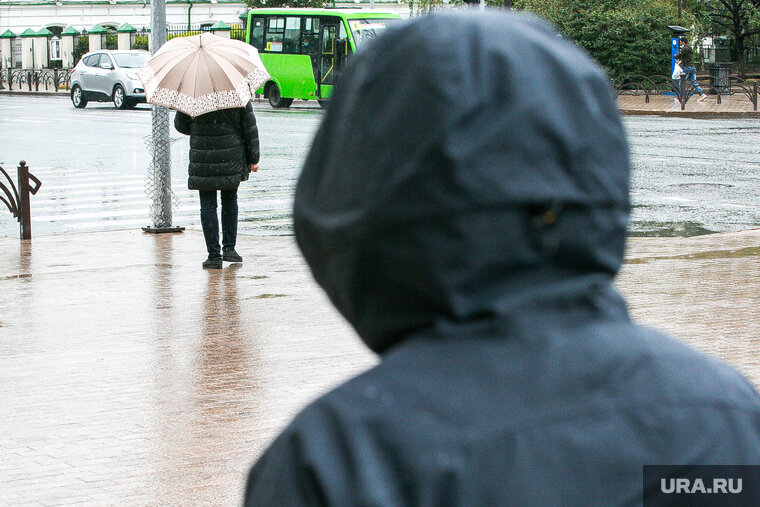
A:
x: 129, y: 375
x: 736, y: 105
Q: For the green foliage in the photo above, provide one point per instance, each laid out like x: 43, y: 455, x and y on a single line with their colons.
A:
x: 141, y: 42
x: 81, y: 47
x: 626, y: 36
x: 112, y: 41
x: 237, y: 33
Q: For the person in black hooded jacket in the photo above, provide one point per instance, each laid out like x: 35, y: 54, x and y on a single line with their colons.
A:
x: 464, y: 205
x: 224, y: 150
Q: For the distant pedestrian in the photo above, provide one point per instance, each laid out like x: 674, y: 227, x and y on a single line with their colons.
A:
x: 465, y: 205
x: 686, y: 58
x: 224, y: 149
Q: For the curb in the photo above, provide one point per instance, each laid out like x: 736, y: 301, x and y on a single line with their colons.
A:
x: 62, y: 93
x: 691, y: 114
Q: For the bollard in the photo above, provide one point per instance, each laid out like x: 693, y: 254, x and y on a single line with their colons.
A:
x: 18, y: 198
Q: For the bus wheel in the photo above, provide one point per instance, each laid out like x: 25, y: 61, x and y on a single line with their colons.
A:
x: 275, y: 99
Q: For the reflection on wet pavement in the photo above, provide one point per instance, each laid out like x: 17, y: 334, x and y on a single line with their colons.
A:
x: 130, y: 375
x: 705, y: 290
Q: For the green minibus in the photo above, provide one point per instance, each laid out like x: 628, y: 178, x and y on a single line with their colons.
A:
x: 304, y: 50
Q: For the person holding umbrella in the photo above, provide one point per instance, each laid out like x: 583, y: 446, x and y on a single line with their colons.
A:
x: 209, y: 81
x: 224, y: 147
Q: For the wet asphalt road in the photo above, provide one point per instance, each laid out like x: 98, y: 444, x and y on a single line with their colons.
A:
x: 694, y: 176
x: 690, y: 176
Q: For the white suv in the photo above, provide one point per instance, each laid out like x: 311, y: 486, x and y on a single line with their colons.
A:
x: 107, y: 75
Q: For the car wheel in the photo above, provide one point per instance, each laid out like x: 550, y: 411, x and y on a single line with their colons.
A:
x: 275, y: 99
x: 77, y: 97
x: 119, y: 98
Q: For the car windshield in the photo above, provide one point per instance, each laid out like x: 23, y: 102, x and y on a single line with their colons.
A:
x: 131, y: 60
x: 366, y: 29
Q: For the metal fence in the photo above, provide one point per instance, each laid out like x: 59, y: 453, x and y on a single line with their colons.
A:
x: 683, y: 90
x: 35, y: 79
x: 236, y: 31
x: 16, y: 197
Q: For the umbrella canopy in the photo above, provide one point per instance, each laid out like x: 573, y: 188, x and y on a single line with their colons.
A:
x: 203, y: 73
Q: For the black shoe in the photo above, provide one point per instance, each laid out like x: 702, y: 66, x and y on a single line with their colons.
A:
x: 231, y: 256
x: 213, y: 263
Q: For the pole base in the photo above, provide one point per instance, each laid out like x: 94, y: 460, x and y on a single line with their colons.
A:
x: 160, y: 230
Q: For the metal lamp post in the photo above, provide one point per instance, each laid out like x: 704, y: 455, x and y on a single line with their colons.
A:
x: 159, y: 178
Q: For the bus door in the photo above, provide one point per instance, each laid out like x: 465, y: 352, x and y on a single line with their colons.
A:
x: 332, y: 55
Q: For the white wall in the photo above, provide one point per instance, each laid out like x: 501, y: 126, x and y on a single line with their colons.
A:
x: 125, y: 40
x: 40, y: 45
x: 27, y: 55
x: 18, y: 18
x: 67, y: 51
x: 5, y: 53
x: 94, y: 41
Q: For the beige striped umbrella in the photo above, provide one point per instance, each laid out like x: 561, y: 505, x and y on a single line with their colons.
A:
x: 203, y: 73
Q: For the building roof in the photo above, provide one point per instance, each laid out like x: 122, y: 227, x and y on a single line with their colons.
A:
x: 97, y: 29
x: 126, y: 28
x: 220, y: 25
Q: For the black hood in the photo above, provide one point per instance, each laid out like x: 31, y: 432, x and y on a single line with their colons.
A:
x: 471, y: 167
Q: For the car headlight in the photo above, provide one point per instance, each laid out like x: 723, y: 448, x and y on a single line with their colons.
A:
x: 132, y: 75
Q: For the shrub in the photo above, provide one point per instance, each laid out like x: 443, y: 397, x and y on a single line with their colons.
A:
x: 112, y: 41
x: 141, y: 42
x: 625, y: 37
x: 81, y: 47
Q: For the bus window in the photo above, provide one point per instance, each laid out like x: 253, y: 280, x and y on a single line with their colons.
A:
x: 328, y: 52
x: 292, y: 34
x: 257, y: 33
x: 310, y: 36
x: 366, y: 29
x: 274, y: 35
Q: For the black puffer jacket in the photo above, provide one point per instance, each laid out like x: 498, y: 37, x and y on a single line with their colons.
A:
x: 468, y: 219
x: 222, y: 144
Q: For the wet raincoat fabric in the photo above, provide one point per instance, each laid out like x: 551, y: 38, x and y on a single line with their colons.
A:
x: 464, y: 205
x: 222, y: 145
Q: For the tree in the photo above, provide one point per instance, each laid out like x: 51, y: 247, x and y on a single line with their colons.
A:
x: 626, y: 37
x: 288, y: 3
x: 740, y: 19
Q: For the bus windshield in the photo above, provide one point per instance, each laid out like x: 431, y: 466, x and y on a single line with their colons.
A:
x: 366, y: 29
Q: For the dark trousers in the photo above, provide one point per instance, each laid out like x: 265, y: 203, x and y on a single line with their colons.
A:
x: 210, y: 223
